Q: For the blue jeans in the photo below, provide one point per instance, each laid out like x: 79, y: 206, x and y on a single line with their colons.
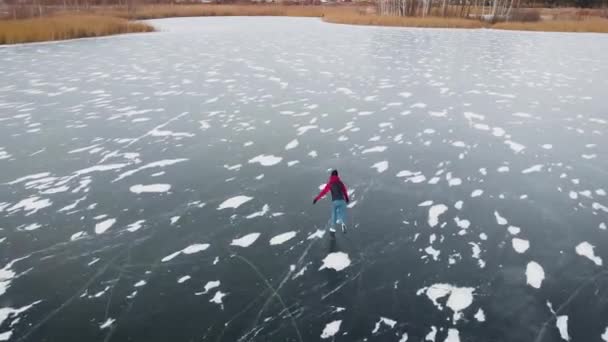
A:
x: 338, y: 212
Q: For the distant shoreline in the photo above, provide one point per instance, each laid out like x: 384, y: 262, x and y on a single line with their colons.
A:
x: 104, y: 21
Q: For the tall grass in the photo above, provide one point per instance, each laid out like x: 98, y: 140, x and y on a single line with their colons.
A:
x: 65, y: 27
x: 598, y: 25
x: 165, y: 11
x: 365, y: 19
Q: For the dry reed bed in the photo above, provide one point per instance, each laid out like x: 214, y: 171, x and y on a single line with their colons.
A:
x: 166, y: 11
x: 598, y: 25
x: 65, y: 27
x: 364, y: 19
x: 589, y: 24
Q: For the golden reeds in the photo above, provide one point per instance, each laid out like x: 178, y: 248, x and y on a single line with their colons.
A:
x: 598, y: 25
x: 368, y: 19
x: 65, y: 27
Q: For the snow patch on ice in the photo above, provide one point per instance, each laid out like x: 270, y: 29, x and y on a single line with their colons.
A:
x: 194, y: 248
x: 381, y: 166
x: 135, y: 226
x: 31, y: 205
x: 434, y: 212
x: 103, y: 226
x: 453, y: 335
x: 562, y: 325
x: 375, y: 149
x: 150, y: 188
x: 282, y: 238
x: 477, y: 193
x: 246, y: 240
x: 265, y: 160
x: 211, y: 285
x: 234, y: 202
x: 480, y: 316
x: 459, y: 298
x: 534, y: 168
x: 515, y: 146
x: 534, y: 274
x: 107, y: 323
x: 218, y: 298
x: 384, y: 321
x: 292, y: 144
x: 336, y: 261
x: 183, y: 279
x: 520, y: 245
x: 500, y: 220
x: 431, y: 335
x: 331, y: 329
x: 587, y: 250
x: 316, y: 235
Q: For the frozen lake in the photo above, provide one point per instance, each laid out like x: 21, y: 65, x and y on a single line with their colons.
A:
x: 159, y: 187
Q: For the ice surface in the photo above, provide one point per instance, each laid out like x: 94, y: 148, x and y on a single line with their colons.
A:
x: 160, y: 163
x: 76, y: 136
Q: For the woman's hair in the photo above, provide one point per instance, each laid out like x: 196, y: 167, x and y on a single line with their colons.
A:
x: 334, y: 172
